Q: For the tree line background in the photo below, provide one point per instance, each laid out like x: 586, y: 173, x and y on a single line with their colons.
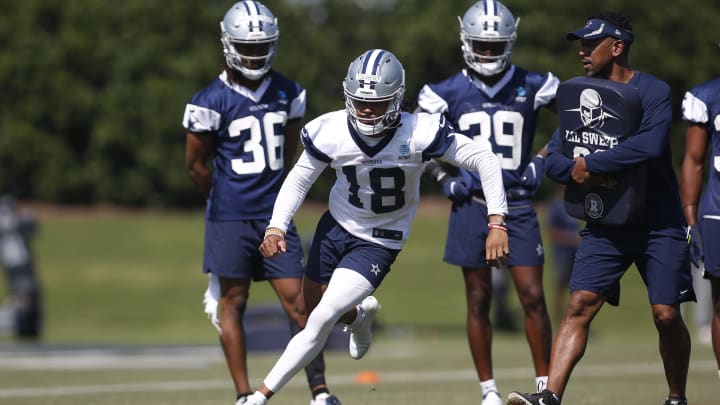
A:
x: 93, y: 92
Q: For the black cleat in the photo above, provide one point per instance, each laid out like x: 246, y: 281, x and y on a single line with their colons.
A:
x: 546, y: 397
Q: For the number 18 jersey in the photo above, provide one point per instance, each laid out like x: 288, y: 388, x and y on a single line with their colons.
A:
x: 249, y: 133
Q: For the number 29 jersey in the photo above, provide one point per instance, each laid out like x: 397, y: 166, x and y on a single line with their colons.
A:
x: 249, y: 134
x: 505, y: 114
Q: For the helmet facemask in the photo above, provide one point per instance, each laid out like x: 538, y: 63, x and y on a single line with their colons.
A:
x: 247, y: 27
x: 375, y: 81
x: 488, y: 21
x: 376, y: 124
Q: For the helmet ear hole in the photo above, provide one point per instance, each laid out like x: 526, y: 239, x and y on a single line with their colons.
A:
x: 248, y: 24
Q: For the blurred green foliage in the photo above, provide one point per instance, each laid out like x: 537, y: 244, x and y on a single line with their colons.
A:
x: 93, y: 92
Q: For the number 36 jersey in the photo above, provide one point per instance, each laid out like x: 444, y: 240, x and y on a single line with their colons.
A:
x: 504, y: 114
x: 377, y: 186
x: 249, y: 134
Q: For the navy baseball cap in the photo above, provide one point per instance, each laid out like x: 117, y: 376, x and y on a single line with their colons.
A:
x: 597, y: 28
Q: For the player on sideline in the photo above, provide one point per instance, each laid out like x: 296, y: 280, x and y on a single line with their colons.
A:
x: 378, y: 153
x: 657, y: 244
x: 701, y: 109
x: 249, y: 120
x: 496, y: 101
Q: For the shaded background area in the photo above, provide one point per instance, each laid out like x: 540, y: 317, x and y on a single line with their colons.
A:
x: 93, y: 92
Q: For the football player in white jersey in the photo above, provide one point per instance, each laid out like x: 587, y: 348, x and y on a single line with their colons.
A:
x: 378, y: 153
x: 496, y: 100
x: 248, y: 119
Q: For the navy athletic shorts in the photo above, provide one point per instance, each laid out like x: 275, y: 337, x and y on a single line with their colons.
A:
x: 468, y: 230
x: 661, y: 256
x: 231, y: 251
x: 334, y: 247
x: 710, y: 232
x: 564, y: 259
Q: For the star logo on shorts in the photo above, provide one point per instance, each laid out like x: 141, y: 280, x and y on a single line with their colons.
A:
x: 376, y: 270
x: 539, y: 250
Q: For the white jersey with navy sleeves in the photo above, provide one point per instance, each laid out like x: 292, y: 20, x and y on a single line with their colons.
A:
x: 248, y: 128
x: 377, y: 187
x: 701, y: 106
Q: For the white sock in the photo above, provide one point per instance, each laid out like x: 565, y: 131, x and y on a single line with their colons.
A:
x: 488, y: 386
x: 541, y: 383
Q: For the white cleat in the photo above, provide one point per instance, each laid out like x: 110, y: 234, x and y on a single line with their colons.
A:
x: 255, y: 399
x: 361, y: 329
x: 492, y: 398
x: 325, y: 399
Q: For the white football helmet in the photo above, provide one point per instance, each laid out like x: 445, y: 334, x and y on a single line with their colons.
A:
x: 249, y: 22
x: 488, y: 21
x: 376, y: 76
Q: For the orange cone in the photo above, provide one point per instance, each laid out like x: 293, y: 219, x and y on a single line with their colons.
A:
x: 367, y: 377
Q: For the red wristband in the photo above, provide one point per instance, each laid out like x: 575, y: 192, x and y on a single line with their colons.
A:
x: 496, y: 225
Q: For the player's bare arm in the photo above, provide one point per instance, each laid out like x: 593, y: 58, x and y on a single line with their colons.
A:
x: 691, y: 173
x: 198, y: 149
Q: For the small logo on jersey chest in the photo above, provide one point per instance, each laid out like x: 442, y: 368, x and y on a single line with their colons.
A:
x: 521, y: 94
x: 404, y: 152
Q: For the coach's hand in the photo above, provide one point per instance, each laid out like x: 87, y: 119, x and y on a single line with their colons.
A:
x: 696, y: 246
x: 274, y: 243
x: 456, y: 189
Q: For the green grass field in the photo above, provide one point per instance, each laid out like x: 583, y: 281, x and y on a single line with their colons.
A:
x: 124, y: 325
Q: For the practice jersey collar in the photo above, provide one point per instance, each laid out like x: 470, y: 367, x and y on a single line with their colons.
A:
x: 491, y: 91
x: 252, y: 95
x: 371, y: 150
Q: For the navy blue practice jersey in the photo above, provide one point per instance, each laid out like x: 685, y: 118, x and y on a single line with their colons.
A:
x: 505, y: 114
x: 701, y: 106
x: 249, y: 130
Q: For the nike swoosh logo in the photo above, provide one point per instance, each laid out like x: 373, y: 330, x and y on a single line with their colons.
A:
x: 597, y: 31
x: 542, y: 402
x: 683, y: 292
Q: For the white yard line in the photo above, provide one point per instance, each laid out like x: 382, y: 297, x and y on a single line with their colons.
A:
x: 202, y: 357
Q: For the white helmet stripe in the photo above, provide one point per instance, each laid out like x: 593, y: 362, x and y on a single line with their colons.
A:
x: 370, y: 67
x: 253, y: 10
x: 491, y: 11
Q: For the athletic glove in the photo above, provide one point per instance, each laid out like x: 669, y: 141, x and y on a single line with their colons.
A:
x: 695, y: 245
x: 533, y: 174
x: 456, y: 189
